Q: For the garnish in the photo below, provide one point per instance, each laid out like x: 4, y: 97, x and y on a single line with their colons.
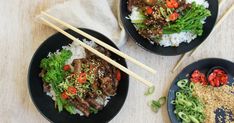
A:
x: 150, y: 91
x: 156, y: 104
x: 187, y: 106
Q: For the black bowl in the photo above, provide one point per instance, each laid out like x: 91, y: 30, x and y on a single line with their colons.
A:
x: 204, y: 66
x: 169, y: 51
x: 45, y: 104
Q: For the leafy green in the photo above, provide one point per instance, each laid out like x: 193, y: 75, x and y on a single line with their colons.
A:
x: 55, y: 74
x: 190, y: 20
x: 187, y: 107
x: 53, y: 66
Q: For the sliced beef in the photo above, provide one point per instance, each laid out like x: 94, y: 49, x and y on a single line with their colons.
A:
x: 83, y: 110
x: 81, y: 105
x: 107, y: 86
x: 94, y: 103
x: 77, y: 65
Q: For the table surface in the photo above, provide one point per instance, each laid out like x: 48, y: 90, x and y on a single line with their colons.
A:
x: 20, y: 36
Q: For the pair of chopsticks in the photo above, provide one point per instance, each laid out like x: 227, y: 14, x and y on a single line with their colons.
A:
x: 216, y: 26
x: 109, y: 60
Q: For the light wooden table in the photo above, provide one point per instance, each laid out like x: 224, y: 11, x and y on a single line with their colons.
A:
x: 20, y: 36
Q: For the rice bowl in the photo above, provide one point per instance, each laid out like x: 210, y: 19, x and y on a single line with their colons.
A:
x: 139, y: 18
x: 44, y: 103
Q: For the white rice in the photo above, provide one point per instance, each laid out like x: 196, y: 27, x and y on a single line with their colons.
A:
x: 199, y: 2
x: 176, y: 38
x: 78, y: 52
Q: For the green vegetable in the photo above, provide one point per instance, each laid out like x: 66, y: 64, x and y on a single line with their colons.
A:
x: 54, y: 75
x: 138, y: 17
x: 53, y: 66
x: 182, y: 83
x: 155, y: 105
x: 162, y: 11
x: 191, y: 20
x: 187, y: 107
x: 71, y: 109
x: 150, y: 91
x: 93, y: 110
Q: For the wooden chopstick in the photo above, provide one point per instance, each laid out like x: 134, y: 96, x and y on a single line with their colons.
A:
x: 179, y: 62
x: 216, y: 26
x: 100, y: 43
x: 109, y: 60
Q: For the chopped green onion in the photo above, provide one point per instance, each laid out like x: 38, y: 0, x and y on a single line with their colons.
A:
x: 188, y: 108
x: 150, y: 91
x: 99, y: 92
x: 155, y: 105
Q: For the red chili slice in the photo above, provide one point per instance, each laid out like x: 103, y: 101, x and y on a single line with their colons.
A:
x: 149, y: 10
x: 82, y: 78
x: 118, y: 75
x: 66, y: 67
x: 173, y: 16
x: 64, y: 95
x: 72, y: 90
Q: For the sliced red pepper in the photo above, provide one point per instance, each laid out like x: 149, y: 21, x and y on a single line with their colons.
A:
x: 149, y: 10
x: 211, y: 77
x: 66, y: 67
x: 203, y: 79
x: 216, y: 82
x: 175, y: 4
x: 172, y: 4
x: 64, y: 95
x: 71, y: 90
x: 82, y: 78
x: 173, y: 16
x: 118, y: 75
x: 224, y: 79
x: 197, y: 76
x: 169, y: 4
x: 218, y: 77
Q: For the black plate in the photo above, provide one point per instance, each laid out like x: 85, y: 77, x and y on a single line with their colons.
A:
x: 45, y: 104
x: 204, y: 66
x: 168, y: 51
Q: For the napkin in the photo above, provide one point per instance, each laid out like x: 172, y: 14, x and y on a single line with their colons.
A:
x: 100, y: 15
